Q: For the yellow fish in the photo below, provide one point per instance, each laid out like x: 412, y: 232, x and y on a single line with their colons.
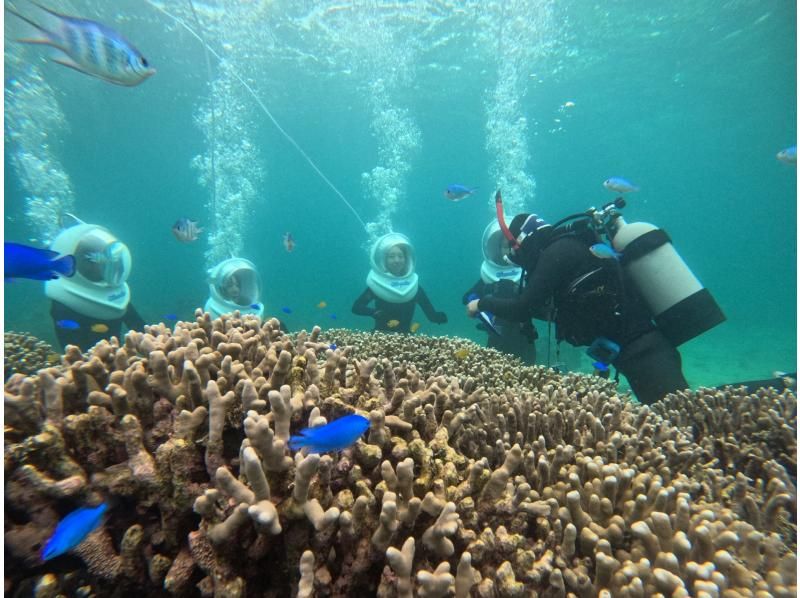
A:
x: 322, y: 305
x: 461, y: 354
x: 414, y: 327
x: 393, y: 323
x: 101, y: 328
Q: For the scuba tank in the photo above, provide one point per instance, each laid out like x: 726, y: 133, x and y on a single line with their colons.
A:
x: 681, y: 307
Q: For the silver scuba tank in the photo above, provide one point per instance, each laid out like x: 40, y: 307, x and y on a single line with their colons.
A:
x: 681, y: 307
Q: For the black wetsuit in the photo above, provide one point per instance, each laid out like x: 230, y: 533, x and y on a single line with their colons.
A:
x: 516, y: 338
x: 587, y: 308
x: 83, y: 335
x: 385, y: 311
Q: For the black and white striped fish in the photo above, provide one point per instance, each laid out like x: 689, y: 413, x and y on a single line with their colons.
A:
x: 89, y: 47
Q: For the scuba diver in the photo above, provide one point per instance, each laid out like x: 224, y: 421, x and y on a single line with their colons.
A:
x: 632, y: 300
x: 234, y: 284
x: 394, y: 287
x: 499, y: 279
x: 95, y: 302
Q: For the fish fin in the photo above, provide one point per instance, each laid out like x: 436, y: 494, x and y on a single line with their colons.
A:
x: 65, y: 265
x: 48, y: 39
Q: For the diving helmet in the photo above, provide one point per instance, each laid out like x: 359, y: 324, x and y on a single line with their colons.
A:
x: 234, y: 285
x: 495, y: 246
x: 387, y: 252
x: 102, y: 266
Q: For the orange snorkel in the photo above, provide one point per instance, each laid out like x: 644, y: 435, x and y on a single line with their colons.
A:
x: 498, y: 204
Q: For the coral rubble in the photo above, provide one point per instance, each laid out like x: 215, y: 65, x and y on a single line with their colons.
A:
x: 478, y: 476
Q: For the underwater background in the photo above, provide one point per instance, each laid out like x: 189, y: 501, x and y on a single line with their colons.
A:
x: 393, y: 102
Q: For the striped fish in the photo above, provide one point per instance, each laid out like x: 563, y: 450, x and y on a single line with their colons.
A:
x: 89, y: 47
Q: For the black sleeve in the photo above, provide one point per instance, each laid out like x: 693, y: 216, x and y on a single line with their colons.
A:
x: 425, y: 303
x: 555, y: 267
x: 479, y: 288
x: 361, y: 306
x: 132, y: 319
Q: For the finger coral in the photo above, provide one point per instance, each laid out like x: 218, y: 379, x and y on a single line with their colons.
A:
x: 478, y: 476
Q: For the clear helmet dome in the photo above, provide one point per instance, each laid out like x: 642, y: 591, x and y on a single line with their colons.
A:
x: 236, y: 281
x: 100, y: 258
x: 495, y: 247
x: 389, y: 252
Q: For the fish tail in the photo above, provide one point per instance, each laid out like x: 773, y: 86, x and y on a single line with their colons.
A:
x: 65, y: 265
x: 48, y: 39
x: 297, y: 442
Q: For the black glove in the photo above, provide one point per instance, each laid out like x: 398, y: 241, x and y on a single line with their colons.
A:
x: 439, y: 318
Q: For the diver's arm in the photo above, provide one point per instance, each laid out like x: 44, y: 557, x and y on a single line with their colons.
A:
x: 437, y: 317
x: 361, y: 306
x: 555, y: 267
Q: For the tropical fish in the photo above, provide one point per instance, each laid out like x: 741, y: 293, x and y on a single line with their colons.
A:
x: 171, y: 316
x: 335, y: 436
x: 288, y: 242
x: 22, y: 261
x: 619, y: 185
x: 414, y: 327
x: 604, y: 252
x: 101, y: 328
x: 68, y: 324
x: 461, y: 353
x: 322, y: 305
x: 393, y: 323
x: 600, y: 366
x: 286, y: 310
x: 88, y: 47
x: 332, y: 347
x: 255, y: 306
x: 333, y: 316
x: 458, y: 192
x: 73, y: 529
x: 788, y: 155
x: 186, y: 230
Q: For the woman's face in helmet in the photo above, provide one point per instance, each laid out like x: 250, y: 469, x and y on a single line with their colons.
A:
x: 396, y: 261
x: 231, y: 288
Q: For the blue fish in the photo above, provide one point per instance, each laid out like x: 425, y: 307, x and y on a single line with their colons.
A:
x: 88, y: 47
x: 604, y: 252
x: 286, y: 310
x: 255, y: 306
x: 73, y: 529
x: 788, y: 155
x: 333, y: 316
x: 68, y: 324
x: 600, y: 366
x: 21, y: 261
x: 335, y: 436
x: 171, y: 317
x: 333, y: 347
x: 620, y: 185
x: 458, y: 192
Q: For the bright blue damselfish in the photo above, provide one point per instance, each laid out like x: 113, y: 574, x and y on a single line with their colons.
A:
x: 604, y: 252
x: 73, y: 529
x: 335, y: 436
x: 457, y: 192
x: 68, y: 324
x: 21, y: 261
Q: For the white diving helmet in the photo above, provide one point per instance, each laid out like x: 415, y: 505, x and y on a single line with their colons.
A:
x: 495, y: 246
x: 387, y: 286
x: 234, y: 284
x: 102, y: 265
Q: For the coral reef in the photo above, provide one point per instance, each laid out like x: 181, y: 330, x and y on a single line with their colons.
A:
x: 478, y: 476
x: 23, y: 353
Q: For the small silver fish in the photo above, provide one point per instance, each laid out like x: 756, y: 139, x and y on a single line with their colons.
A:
x: 89, y: 47
x: 620, y: 185
x: 186, y: 230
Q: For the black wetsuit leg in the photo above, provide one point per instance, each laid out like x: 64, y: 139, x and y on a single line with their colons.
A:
x: 652, y: 366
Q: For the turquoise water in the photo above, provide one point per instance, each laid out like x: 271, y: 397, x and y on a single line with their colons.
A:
x: 690, y: 100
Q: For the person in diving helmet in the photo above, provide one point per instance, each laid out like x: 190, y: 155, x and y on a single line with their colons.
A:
x: 234, y: 284
x: 393, y: 287
x: 96, y: 302
x: 500, y: 279
x: 590, y: 300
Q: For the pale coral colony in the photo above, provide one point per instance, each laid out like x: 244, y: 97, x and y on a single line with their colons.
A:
x: 476, y: 477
